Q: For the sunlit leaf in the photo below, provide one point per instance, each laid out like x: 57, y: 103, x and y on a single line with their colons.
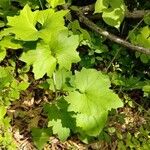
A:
x: 113, y: 11
x: 54, y: 3
x: 92, y: 100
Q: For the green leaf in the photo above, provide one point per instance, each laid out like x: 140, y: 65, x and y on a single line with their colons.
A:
x: 146, y: 89
x: 62, y: 132
x: 23, y: 26
x: 91, y: 125
x: 62, y: 78
x: 76, y: 29
x: 61, y: 50
x: 51, y: 23
x: 144, y: 58
x: 113, y: 17
x: 15, y: 89
x: 2, y: 112
x: 23, y: 86
x: 147, y: 19
x: 145, y: 31
x: 41, y: 59
x: 2, y: 54
x: 141, y: 37
x: 101, y: 5
x: 29, y: 26
x: 8, y: 42
x: 113, y: 11
x: 92, y: 100
x: 5, y: 76
x: 54, y: 3
x: 13, y: 95
x: 46, y: 64
x: 64, y: 48
x: 60, y: 119
x: 41, y: 136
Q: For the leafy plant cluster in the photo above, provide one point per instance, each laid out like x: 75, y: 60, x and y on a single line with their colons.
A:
x: 10, y: 90
x: 39, y: 38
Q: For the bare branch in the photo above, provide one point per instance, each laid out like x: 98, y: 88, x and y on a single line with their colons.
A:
x: 134, y: 15
x: 108, y: 35
x: 137, y: 14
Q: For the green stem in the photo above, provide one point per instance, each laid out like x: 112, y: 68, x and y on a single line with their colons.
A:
x: 54, y: 81
x: 41, y: 4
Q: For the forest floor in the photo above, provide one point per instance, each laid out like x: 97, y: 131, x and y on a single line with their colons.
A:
x: 27, y: 113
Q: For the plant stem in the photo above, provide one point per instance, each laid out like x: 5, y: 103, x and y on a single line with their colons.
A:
x: 54, y: 81
x: 41, y: 4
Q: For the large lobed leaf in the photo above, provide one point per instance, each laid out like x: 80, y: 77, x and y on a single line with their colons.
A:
x: 23, y: 26
x: 41, y: 59
x: 92, y: 100
x: 29, y: 26
x: 85, y: 108
x: 60, y: 119
x: 64, y: 48
x: 61, y: 50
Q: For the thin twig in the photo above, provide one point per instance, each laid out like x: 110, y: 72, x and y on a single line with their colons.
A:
x: 134, y: 14
x: 125, y: 40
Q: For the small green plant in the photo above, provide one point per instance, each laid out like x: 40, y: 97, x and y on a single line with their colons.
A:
x: 6, y: 138
x: 10, y: 90
x: 87, y: 100
x: 141, y: 37
x: 41, y: 41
